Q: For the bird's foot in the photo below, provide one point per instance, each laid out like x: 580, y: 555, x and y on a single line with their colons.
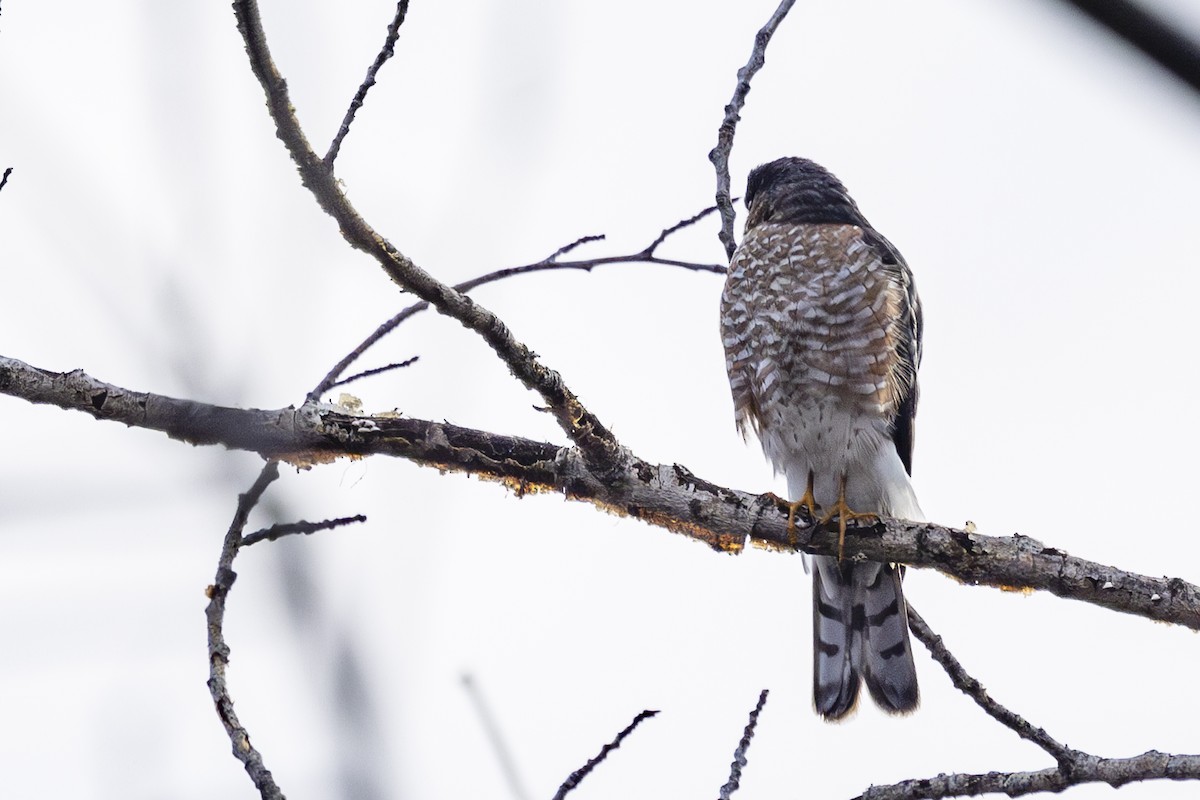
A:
x: 844, y: 514
x: 807, y: 502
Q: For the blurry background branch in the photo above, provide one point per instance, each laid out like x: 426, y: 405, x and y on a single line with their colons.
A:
x: 1150, y: 33
x: 667, y: 496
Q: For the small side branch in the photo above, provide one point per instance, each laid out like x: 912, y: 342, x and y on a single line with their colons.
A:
x: 578, y: 775
x: 739, y: 755
x: 647, y: 255
x: 368, y: 373
x: 719, y: 155
x: 286, y: 529
x: 218, y: 650
x: 968, y: 685
x: 4, y: 178
x: 387, y: 51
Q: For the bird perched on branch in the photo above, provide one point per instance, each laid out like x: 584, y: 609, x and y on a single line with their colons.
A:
x: 822, y: 332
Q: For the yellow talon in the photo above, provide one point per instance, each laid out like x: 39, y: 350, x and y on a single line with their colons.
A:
x: 843, y: 512
x: 807, y: 502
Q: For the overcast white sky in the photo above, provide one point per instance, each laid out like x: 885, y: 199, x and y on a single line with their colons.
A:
x: 1039, y: 178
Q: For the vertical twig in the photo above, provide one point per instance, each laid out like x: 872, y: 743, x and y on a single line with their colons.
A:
x: 719, y: 155
x: 218, y: 651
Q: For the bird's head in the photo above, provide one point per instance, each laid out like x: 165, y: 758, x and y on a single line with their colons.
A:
x: 796, y: 190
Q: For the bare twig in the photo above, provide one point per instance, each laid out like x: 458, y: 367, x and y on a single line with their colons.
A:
x: 1116, y: 772
x: 597, y: 444
x: 739, y: 755
x: 566, y: 248
x: 665, y: 495
x: 508, y: 764
x: 285, y: 529
x: 719, y: 155
x: 4, y: 178
x: 218, y: 651
x: 578, y: 775
x: 408, y: 362
x: 968, y: 685
x: 387, y: 51
x: 646, y: 255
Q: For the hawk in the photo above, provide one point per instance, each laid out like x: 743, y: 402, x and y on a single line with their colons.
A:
x: 822, y: 332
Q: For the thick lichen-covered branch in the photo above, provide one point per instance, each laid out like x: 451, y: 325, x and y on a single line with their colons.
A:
x: 665, y: 495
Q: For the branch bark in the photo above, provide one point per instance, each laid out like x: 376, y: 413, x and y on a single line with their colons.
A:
x: 595, y: 441
x: 665, y: 495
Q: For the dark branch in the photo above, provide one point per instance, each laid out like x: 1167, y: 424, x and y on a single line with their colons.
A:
x: 408, y: 362
x: 665, y: 495
x: 551, y: 262
x: 578, y: 775
x: 1115, y: 772
x: 566, y: 248
x: 739, y: 755
x: 285, y: 529
x: 1170, y: 48
x: 965, y: 683
x: 719, y: 155
x: 387, y: 51
x: 218, y: 651
x: 4, y: 178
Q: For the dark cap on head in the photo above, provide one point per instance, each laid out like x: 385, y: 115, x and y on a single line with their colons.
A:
x: 797, y: 190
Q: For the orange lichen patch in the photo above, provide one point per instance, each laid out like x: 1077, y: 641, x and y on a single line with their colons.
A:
x: 518, y: 486
x: 307, y: 459
x: 1025, y: 590
x: 723, y: 542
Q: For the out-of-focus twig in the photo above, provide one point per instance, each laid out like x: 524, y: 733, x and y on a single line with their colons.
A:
x: 508, y: 764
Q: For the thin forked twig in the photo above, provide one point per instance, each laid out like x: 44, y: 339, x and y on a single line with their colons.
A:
x: 508, y: 764
x: 719, y: 155
x: 968, y: 685
x: 218, y: 650
x: 739, y: 755
x: 285, y: 529
x: 387, y: 51
x: 578, y: 775
x: 646, y: 255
